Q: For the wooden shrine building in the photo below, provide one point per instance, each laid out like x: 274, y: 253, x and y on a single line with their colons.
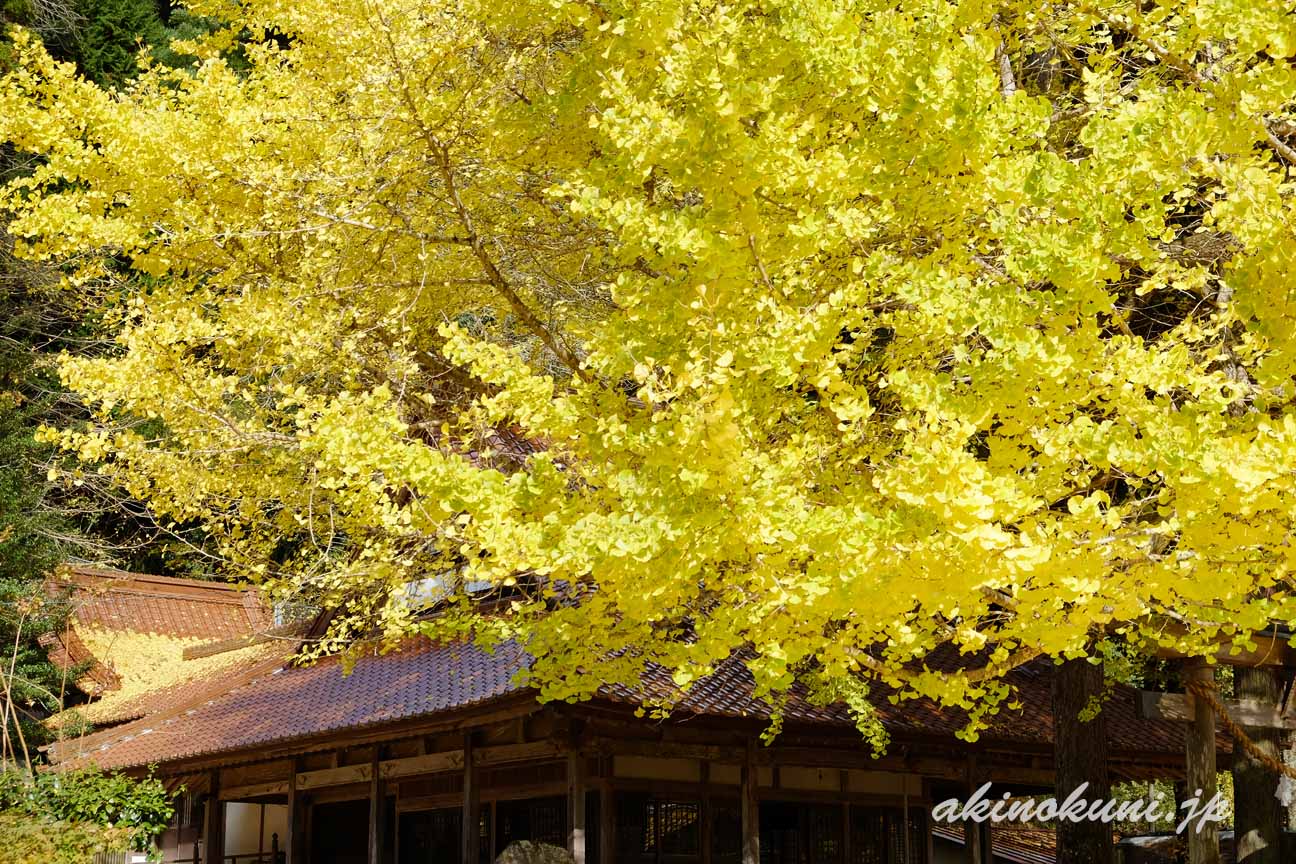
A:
x: 388, y: 765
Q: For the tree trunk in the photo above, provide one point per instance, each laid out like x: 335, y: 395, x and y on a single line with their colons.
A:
x: 1080, y: 756
x: 1257, y: 813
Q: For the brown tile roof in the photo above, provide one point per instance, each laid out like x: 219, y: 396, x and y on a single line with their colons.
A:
x: 291, y: 704
x: 116, y: 600
x: 728, y: 693
x: 1011, y: 843
x: 288, y: 703
x: 66, y: 650
x: 135, y: 630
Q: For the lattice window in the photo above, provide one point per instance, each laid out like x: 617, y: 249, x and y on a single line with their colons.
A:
x: 650, y: 829
x: 877, y: 836
x: 542, y: 820
x: 679, y: 827
x: 824, y: 834
x: 726, y: 832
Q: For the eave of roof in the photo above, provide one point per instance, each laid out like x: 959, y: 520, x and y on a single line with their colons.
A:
x: 287, y: 704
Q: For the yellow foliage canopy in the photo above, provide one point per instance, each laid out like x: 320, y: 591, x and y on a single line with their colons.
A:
x: 847, y: 328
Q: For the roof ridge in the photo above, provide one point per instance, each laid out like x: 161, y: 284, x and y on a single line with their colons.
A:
x: 114, y: 574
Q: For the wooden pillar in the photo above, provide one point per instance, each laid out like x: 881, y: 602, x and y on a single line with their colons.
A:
x: 576, y: 806
x: 471, y: 828
x: 295, y: 839
x: 904, y: 821
x: 706, y: 814
x: 1079, y: 757
x: 750, y: 808
x: 607, y: 822
x: 846, y: 825
x: 214, y: 824
x: 976, y: 840
x: 377, y: 810
x: 1257, y: 814
x: 1203, y: 845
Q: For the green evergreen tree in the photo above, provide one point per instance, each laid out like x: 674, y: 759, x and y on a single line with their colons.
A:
x: 110, y: 35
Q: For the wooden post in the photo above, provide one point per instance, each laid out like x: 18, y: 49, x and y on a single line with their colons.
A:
x: 750, y: 808
x: 293, y: 844
x: 214, y: 824
x: 377, y: 810
x: 576, y: 806
x: 972, y: 842
x: 1257, y: 813
x: 975, y: 843
x: 904, y: 821
x: 846, y: 829
x: 1203, y: 845
x: 1079, y: 757
x: 471, y: 828
x: 607, y: 822
x: 705, y: 814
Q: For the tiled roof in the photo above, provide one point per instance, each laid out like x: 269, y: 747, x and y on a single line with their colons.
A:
x: 728, y: 693
x: 290, y: 703
x: 295, y: 703
x: 66, y: 650
x: 1011, y: 843
x: 117, y: 600
x: 134, y: 630
x: 1171, y: 848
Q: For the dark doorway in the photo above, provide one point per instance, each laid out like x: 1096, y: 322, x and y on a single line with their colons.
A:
x: 340, y: 833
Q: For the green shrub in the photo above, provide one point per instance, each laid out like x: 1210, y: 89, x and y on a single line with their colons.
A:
x: 28, y: 839
x: 138, y: 810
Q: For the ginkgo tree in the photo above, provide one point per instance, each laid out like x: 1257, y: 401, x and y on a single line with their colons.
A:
x: 821, y: 332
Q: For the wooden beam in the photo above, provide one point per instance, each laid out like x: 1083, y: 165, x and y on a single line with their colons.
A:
x: 429, y: 763
x: 470, y: 827
x: 377, y: 811
x: 341, y: 776
x: 1203, y: 844
x: 576, y: 807
x: 515, y: 753
x: 750, y: 808
x: 1270, y: 650
x: 1246, y: 712
x: 254, y: 790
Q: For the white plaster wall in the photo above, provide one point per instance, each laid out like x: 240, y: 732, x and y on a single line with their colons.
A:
x: 242, y: 822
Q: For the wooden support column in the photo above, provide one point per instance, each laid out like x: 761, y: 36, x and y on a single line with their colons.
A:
x: 706, y: 814
x: 576, y: 806
x: 292, y: 842
x: 377, y: 810
x: 295, y: 841
x: 846, y: 825
x: 750, y: 808
x: 607, y: 821
x: 1203, y: 845
x: 1257, y: 814
x: 977, y: 845
x: 471, y: 827
x: 1080, y: 757
x: 214, y: 824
